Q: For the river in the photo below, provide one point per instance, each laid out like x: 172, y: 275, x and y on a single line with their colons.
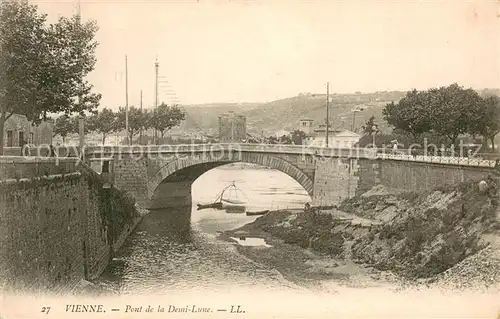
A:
x: 177, y: 249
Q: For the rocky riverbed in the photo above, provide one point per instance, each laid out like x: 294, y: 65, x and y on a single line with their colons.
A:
x: 446, y: 238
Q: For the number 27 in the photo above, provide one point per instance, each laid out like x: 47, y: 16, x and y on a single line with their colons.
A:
x: 46, y: 310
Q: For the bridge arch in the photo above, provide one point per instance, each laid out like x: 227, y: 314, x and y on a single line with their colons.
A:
x: 202, y: 163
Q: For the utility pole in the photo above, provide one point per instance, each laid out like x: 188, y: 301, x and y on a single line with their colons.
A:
x: 140, y: 132
x: 353, y: 120
x: 327, y: 115
x: 81, y: 119
x: 126, y: 100
x: 157, y: 65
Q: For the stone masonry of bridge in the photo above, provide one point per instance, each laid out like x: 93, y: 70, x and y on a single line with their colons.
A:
x: 160, y: 178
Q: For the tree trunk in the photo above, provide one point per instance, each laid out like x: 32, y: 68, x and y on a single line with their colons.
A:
x: 484, y: 145
x: 103, y: 138
x: 64, y: 140
x: 2, y: 125
x: 492, y: 143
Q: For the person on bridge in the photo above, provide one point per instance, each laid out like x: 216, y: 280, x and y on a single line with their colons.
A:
x: 52, y: 151
x: 414, y: 152
x: 395, y: 148
x: 23, y: 145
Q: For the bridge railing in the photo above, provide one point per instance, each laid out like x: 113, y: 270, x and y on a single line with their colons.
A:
x: 444, y: 157
x: 465, y: 161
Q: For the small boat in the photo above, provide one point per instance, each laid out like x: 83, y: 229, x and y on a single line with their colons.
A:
x: 229, y: 199
x: 232, y: 199
x: 261, y: 212
x: 232, y: 203
x: 217, y: 205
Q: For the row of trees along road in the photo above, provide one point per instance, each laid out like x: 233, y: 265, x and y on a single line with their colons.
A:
x: 106, y: 122
x: 447, y: 112
x: 43, y: 66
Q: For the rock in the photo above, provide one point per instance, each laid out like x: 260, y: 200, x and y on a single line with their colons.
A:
x: 483, y: 186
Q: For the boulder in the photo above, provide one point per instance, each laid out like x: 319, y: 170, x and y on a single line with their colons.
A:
x: 483, y: 186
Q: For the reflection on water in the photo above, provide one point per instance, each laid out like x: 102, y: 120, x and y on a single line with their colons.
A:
x: 250, y: 241
x: 177, y: 249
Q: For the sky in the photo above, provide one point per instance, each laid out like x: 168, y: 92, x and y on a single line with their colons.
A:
x: 257, y: 51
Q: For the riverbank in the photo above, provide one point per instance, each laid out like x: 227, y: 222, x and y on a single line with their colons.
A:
x: 303, y: 264
x: 441, y: 238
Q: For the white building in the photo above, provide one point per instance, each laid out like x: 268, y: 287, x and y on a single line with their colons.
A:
x: 336, y: 138
x: 306, y: 125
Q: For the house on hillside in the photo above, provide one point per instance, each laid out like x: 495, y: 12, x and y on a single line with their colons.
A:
x: 19, y: 129
x: 306, y: 125
x: 336, y: 138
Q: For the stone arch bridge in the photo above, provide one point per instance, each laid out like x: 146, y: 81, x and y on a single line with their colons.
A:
x: 161, y: 176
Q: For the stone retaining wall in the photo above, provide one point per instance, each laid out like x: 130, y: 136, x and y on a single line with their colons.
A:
x: 53, y: 228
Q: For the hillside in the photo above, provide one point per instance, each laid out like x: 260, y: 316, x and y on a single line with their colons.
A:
x: 285, y: 113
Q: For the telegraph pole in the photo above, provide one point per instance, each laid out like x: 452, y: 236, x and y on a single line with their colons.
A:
x: 140, y: 132
x: 81, y: 119
x: 327, y: 115
x: 126, y: 100
x: 157, y: 65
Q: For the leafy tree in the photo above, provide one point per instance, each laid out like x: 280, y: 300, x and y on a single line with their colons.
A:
x: 65, y: 125
x: 75, y: 46
x: 285, y: 139
x: 104, y: 122
x: 298, y: 137
x: 21, y: 32
x: 42, y: 67
x: 486, y: 121
x: 368, y: 128
x: 411, y: 114
x: 137, y: 120
x: 165, y: 117
x: 272, y: 140
x: 453, y: 109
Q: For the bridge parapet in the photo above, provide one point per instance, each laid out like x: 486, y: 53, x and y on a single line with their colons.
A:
x: 17, y: 167
x: 452, y: 160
